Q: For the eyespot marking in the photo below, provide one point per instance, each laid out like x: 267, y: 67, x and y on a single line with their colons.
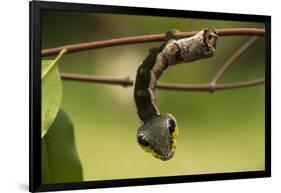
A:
x: 171, y: 125
x: 142, y: 140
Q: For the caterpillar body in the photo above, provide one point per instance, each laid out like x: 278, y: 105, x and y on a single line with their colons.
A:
x: 158, y: 132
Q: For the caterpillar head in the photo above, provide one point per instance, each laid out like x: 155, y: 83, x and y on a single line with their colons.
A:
x: 158, y: 136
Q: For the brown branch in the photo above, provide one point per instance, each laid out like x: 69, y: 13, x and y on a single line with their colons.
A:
x: 122, y: 81
x: 126, y: 81
x: 233, y: 58
x: 145, y: 38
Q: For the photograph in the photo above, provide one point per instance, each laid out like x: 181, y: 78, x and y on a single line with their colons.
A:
x: 130, y: 96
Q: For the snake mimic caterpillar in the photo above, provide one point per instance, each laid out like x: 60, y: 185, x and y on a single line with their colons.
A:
x: 158, y: 132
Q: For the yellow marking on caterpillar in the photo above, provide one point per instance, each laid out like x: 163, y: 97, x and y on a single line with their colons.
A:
x: 146, y: 148
x: 174, y: 144
x: 154, y: 154
x: 175, y: 135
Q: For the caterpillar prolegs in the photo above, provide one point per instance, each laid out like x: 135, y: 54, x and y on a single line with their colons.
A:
x: 158, y: 132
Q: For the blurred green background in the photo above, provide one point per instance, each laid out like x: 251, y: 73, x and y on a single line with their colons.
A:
x: 219, y: 132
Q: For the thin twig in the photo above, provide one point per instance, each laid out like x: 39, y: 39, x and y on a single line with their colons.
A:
x: 233, y: 58
x: 145, y: 38
x: 126, y: 81
x: 123, y: 81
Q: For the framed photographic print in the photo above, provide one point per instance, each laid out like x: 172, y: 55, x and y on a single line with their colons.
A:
x: 125, y: 96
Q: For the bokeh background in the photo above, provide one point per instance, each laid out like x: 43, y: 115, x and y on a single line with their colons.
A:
x: 219, y: 132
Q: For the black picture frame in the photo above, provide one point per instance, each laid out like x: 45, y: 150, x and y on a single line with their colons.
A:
x: 36, y: 8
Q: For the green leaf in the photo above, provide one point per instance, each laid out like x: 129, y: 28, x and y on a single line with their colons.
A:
x: 51, y: 92
x: 60, y: 162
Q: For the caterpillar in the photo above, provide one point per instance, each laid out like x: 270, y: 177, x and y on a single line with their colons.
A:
x: 158, y: 132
